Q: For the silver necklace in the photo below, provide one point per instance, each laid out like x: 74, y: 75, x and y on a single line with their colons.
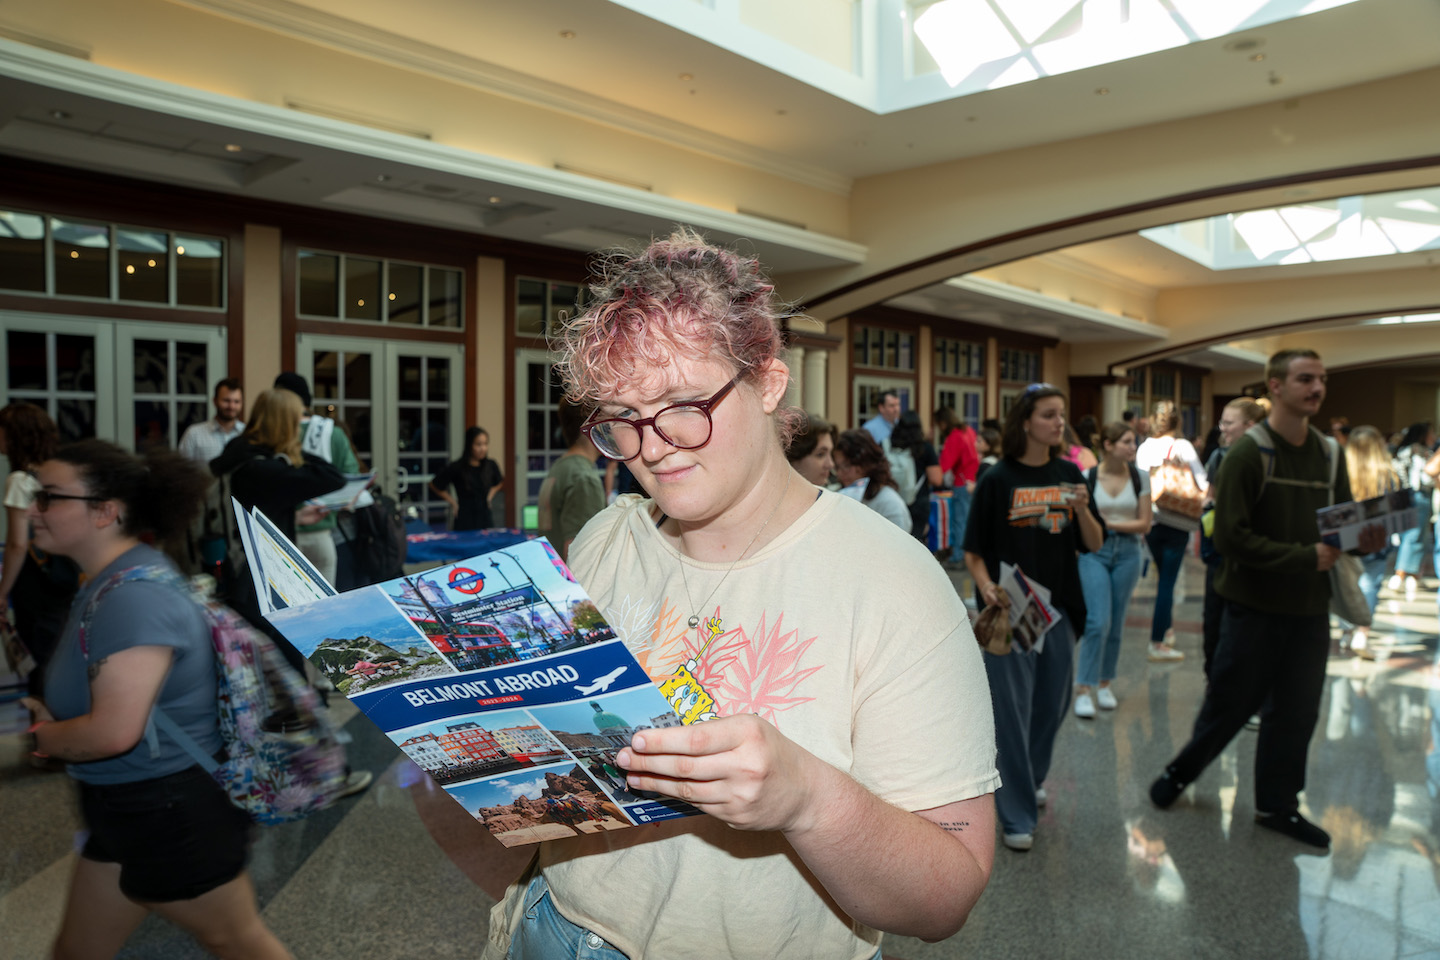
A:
x: 694, y: 620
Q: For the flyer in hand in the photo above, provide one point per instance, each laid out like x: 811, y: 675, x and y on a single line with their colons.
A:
x: 500, y: 679
x: 1031, y: 613
x: 1340, y: 525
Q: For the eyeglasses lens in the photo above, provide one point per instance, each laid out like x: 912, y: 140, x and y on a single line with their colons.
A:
x: 682, y: 426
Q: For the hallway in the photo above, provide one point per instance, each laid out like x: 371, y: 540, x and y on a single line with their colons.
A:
x: 1110, y: 876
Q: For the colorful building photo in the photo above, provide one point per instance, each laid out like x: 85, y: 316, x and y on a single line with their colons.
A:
x: 517, y: 604
x: 480, y: 745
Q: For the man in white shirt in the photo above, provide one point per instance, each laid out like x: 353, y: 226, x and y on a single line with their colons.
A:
x: 203, y: 442
x: 887, y: 412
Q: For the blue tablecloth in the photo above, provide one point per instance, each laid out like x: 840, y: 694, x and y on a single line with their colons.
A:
x: 428, y: 547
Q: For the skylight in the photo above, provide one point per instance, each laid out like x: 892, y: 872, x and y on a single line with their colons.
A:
x: 1348, y: 228
x: 985, y: 44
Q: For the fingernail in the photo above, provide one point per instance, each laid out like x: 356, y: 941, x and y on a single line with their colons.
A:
x: 638, y: 741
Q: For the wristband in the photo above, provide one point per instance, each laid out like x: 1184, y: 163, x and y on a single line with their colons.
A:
x: 36, y: 726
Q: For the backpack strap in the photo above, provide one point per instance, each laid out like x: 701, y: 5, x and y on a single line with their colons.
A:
x: 1135, y: 482
x: 1261, y: 436
x: 1090, y: 479
x: 128, y: 575
x: 159, y: 718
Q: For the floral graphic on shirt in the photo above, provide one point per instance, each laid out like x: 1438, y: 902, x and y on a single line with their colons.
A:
x: 765, y: 672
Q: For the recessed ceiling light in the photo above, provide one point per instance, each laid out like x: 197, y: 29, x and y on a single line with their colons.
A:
x: 382, y: 177
x: 494, y: 199
x: 1256, y: 57
x: 1102, y: 91
x: 233, y: 148
x: 687, y: 76
x: 59, y: 115
x: 567, y: 34
x: 1245, y: 44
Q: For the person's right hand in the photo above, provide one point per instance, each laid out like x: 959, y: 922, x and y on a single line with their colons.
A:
x: 994, y: 596
x: 1325, y: 556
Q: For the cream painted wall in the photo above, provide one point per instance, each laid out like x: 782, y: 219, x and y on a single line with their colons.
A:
x: 822, y: 28
x: 262, y: 309
x: 488, y: 367
x: 1055, y: 366
x: 183, y: 45
x: 1361, y: 346
x: 910, y: 214
x: 1064, y: 283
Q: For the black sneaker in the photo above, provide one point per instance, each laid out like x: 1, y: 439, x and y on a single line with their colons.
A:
x: 1167, y: 789
x: 1293, y: 825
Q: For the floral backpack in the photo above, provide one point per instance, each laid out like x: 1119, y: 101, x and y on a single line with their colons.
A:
x: 282, y: 759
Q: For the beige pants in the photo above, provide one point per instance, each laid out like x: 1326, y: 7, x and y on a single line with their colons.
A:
x: 319, y: 548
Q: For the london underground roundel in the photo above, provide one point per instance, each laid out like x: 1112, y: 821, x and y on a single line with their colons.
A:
x: 465, y: 580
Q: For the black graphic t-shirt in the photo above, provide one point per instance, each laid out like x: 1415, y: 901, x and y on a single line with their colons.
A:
x: 1022, y: 515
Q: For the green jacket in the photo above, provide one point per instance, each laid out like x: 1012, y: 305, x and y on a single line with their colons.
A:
x: 1266, y: 531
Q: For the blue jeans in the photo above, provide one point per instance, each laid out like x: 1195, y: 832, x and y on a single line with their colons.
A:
x: 1372, y: 575
x: 1108, y: 577
x: 1030, y: 693
x: 1412, y: 541
x: 959, y: 514
x: 1167, y: 546
x: 546, y: 935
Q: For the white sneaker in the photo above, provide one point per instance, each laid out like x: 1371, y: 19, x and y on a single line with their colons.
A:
x: 1105, y: 699
x: 1395, y: 582
x: 1084, y: 707
x: 1164, y: 653
x: 1411, y: 583
x: 1041, y: 797
x: 1019, y: 841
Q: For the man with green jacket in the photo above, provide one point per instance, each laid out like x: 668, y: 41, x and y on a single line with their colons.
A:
x: 1275, y: 584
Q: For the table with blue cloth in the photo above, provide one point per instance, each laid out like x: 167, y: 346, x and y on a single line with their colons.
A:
x: 429, y: 546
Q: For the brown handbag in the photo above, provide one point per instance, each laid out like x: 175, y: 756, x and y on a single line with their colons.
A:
x: 992, y: 630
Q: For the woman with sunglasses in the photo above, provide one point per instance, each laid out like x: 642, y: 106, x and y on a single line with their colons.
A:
x: 826, y: 818
x: 1033, y: 510
x: 163, y: 836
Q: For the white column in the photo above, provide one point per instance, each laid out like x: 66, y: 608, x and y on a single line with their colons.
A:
x: 795, y: 360
x: 815, y: 389
x: 1113, y: 397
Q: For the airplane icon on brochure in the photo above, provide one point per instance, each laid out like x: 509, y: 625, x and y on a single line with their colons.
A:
x: 601, y: 684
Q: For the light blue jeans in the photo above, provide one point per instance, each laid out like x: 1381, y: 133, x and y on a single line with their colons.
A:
x: 1108, y: 578
x: 1372, y: 575
x: 959, y: 515
x: 546, y: 935
x: 1412, y: 541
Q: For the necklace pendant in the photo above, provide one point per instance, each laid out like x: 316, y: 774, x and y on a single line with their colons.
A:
x: 694, y: 621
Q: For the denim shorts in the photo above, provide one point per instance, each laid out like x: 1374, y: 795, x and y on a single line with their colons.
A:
x: 545, y: 935
x: 174, y: 837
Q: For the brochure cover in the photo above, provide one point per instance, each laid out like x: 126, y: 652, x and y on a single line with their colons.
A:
x: 1340, y: 525
x: 500, y: 679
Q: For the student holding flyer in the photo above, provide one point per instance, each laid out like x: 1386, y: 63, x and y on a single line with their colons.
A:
x: 1032, y: 509
x: 828, y: 819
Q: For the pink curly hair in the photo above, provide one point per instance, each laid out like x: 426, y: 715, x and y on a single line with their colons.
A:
x: 679, y: 297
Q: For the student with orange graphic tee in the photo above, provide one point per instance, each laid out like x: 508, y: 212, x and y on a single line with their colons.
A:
x: 1031, y: 509
x: 828, y: 815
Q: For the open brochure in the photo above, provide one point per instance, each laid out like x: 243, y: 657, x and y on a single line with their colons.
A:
x: 499, y: 678
x: 1032, y: 615
x: 1340, y: 525
x: 352, y: 496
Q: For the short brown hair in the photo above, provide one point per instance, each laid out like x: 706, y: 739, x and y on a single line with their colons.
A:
x: 1278, y: 367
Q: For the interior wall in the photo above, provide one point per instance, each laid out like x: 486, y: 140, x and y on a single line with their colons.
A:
x: 1389, y: 403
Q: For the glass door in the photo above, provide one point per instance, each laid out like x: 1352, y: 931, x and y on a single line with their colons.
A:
x: 167, y: 372
x: 965, y: 399
x: 539, y: 441
x: 65, y: 366
x: 866, y: 396
x: 401, y: 402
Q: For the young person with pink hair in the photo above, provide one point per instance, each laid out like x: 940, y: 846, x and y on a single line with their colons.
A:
x: 826, y: 820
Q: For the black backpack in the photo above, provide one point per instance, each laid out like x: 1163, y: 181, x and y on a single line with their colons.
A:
x: 376, y: 535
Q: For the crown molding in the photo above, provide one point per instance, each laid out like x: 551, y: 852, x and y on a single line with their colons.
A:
x: 106, y: 84
x: 348, y: 36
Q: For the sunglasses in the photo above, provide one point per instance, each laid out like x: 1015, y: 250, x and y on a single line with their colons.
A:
x: 43, y: 499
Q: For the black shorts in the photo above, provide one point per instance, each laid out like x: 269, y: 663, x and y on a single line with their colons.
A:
x: 175, y: 837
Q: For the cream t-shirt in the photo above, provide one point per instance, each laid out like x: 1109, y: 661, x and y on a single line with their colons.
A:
x: 846, y: 635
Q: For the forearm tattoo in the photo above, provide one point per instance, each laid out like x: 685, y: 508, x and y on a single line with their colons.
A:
x: 953, y: 826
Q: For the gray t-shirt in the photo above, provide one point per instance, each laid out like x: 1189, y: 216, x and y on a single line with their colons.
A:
x: 135, y: 614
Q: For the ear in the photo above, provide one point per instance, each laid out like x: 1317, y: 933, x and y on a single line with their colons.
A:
x: 771, y: 384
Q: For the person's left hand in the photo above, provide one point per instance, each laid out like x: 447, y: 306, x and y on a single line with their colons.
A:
x: 1372, y: 538
x: 1080, y: 498
x: 310, y: 513
x: 739, y: 769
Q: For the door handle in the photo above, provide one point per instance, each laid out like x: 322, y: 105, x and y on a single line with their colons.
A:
x: 402, y: 483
